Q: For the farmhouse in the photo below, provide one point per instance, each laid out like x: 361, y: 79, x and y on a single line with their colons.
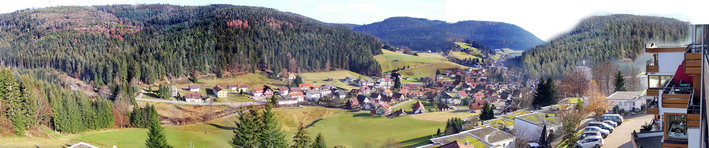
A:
x: 365, y: 102
x: 398, y: 113
x: 313, y: 95
x: 219, y: 91
x: 193, y: 97
x: 297, y: 95
x: 353, y: 103
x: 418, y: 108
x: 286, y: 101
x: 383, y: 109
x: 283, y: 91
x: 194, y: 88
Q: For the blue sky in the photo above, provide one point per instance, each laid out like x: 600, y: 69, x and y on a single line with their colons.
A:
x: 544, y: 18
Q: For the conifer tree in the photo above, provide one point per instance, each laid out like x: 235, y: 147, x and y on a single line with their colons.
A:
x: 245, y: 133
x: 619, y: 82
x: 319, y: 141
x: 271, y: 134
x: 301, y: 138
x: 137, y: 116
x: 156, y: 135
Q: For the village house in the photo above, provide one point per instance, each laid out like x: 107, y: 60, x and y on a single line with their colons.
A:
x: 328, y: 86
x: 219, y: 92
x: 375, y: 97
x: 398, y: 113
x: 389, y: 100
x: 366, y: 82
x: 353, y: 103
x: 283, y: 91
x: 350, y: 80
x: 387, y: 92
x: 237, y: 88
x: 477, y: 105
x: 298, y: 95
x: 628, y: 100
x: 262, y: 92
x: 313, y: 95
x: 286, y: 101
x: 174, y: 92
x: 193, y: 97
x: 398, y: 97
x: 194, y: 88
x: 365, y: 102
x: 305, y: 87
x: 418, y: 108
x: 529, y: 126
x: 340, y: 94
x: 383, y: 109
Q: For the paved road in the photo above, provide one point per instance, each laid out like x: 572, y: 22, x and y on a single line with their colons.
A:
x: 621, y: 136
x: 233, y: 104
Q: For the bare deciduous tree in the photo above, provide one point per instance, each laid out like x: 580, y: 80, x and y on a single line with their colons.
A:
x: 574, y: 84
x: 603, y: 74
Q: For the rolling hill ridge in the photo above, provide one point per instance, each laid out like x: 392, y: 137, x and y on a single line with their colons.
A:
x: 599, y: 39
x: 105, y: 44
x: 423, y: 34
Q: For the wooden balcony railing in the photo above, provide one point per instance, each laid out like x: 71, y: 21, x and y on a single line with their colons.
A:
x: 654, y: 111
x: 693, y: 120
x: 693, y: 63
x: 653, y: 92
x: 652, y: 68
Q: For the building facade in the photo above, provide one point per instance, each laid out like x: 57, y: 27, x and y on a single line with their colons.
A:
x: 678, y: 89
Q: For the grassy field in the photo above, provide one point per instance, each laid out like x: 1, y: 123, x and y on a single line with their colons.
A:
x: 472, y: 50
x: 443, y: 116
x: 505, y: 51
x: 362, y: 130
x: 462, y: 55
x: 319, y: 78
x: 291, y: 118
x: 338, y: 127
x: 390, y: 60
x: 428, y: 70
x: 423, y: 65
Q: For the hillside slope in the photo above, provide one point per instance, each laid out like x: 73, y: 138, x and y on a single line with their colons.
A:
x: 422, y: 34
x: 598, y: 39
x: 104, y: 44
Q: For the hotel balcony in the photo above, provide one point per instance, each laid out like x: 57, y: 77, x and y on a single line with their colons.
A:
x: 677, y: 95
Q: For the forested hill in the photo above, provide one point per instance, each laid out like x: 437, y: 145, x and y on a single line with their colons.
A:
x: 112, y: 43
x: 423, y: 34
x: 601, y: 38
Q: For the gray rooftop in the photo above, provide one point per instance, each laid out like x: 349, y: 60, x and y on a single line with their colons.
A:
x: 490, y: 134
x: 626, y: 95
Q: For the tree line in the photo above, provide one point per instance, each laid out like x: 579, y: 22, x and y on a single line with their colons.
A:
x: 163, y: 44
x: 599, y: 39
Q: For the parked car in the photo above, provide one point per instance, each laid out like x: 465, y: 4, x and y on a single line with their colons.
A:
x: 590, y: 142
x: 587, y: 134
x: 613, y: 117
x: 602, y: 125
x: 597, y: 129
x: 609, y: 122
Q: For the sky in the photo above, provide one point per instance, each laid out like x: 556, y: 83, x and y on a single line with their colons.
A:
x: 544, y: 18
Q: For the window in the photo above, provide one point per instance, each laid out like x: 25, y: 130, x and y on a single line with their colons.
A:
x: 677, y: 126
x: 657, y: 81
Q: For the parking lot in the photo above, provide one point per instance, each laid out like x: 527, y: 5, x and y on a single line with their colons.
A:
x: 621, y: 136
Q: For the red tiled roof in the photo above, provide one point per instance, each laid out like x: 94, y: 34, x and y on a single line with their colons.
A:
x: 418, y: 105
x: 218, y: 88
